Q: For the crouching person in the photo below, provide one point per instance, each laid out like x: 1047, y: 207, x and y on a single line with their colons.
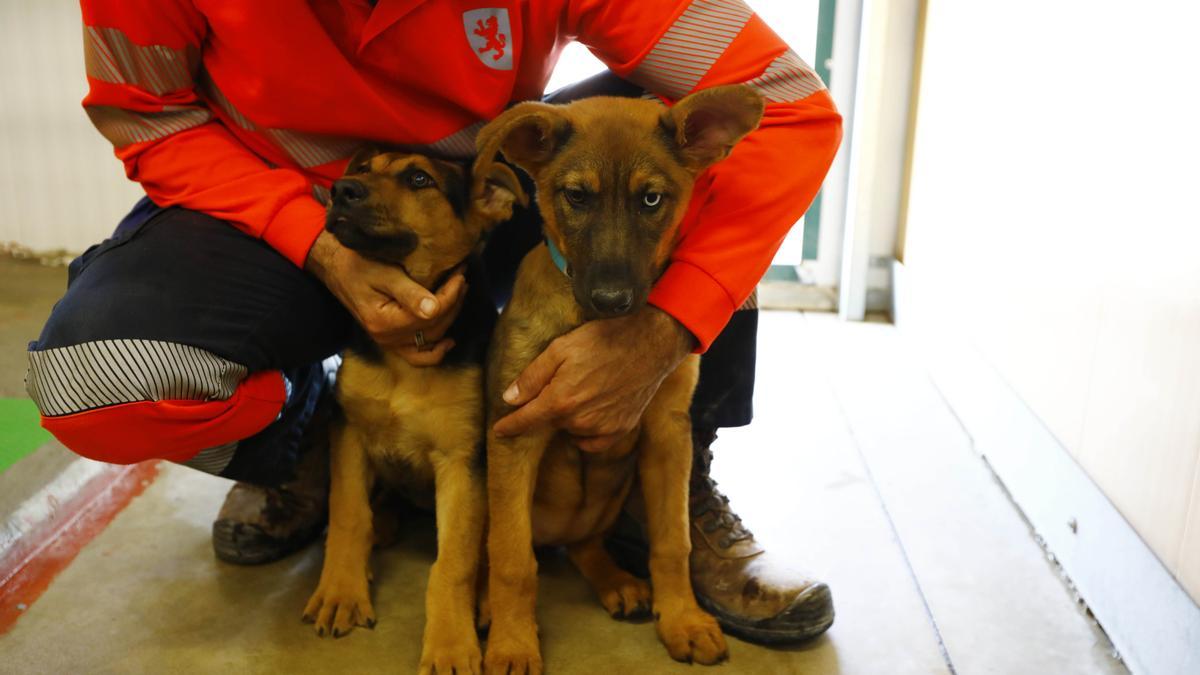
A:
x: 198, y: 332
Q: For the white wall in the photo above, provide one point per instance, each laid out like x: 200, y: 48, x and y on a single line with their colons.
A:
x: 60, y: 185
x: 1053, y: 216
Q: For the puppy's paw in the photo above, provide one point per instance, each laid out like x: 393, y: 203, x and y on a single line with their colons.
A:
x: 509, y: 656
x: 451, y: 654
x: 693, y: 636
x: 525, y: 663
x: 626, y: 598
x: 340, y: 604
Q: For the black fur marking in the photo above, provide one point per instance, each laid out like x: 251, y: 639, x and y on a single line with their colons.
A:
x: 665, y: 135
x: 479, y: 459
x: 472, y: 330
x: 363, y: 346
x: 454, y: 186
x: 391, y: 250
x: 361, y: 157
x: 563, y: 135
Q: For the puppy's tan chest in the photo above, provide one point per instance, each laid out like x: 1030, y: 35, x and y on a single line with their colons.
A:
x: 410, y: 418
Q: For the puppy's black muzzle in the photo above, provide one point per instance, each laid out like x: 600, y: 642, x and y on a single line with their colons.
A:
x: 348, y: 192
x: 609, y: 289
x: 357, y: 226
x: 611, y: 301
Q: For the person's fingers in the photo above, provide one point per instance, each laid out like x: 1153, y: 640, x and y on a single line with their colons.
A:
x: 452, y: 307
x: 596, y: 443
x: 530, y: 383
x: 434, y: 330
x: 410, y: 295
x: 391, y: 325
x: 537, y: 412
x: 387, y: 323
x: 452, y: 291
x: 431, y: 356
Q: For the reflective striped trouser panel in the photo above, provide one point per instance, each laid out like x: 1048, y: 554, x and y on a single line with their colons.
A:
x: 181, y: 338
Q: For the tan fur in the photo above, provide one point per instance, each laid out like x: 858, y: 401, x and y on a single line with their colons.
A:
x: 417, y: 428
x: 542, y: 488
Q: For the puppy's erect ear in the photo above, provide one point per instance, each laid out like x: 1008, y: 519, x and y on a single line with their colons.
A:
x: 528, y: 134
x: 495, y: 192
x: 707, y: 124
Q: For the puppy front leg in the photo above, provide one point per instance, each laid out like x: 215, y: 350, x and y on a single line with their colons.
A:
x: 623, y: 595
x: 664, y: 465
x: 450, y: 644
x: 342, y: 599
x: 512, y: 569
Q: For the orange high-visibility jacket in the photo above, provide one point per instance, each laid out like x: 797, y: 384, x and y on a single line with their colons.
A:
x: 247, y: 111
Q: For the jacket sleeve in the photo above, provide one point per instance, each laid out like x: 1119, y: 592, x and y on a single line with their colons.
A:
x: 745, y: 205
x: 143, y: 63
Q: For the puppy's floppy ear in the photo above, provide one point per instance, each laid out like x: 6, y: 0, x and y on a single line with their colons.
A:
x: 494, y: 193
x: 707, y: 124
x: 528, y: 134
x: 362, y: 156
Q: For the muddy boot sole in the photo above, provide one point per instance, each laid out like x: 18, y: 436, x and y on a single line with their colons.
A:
x: 809, y: 616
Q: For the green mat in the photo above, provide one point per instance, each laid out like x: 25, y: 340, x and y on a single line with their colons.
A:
x: 20, y: 432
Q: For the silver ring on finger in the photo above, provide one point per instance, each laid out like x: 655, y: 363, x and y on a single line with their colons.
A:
x: 419, y: 339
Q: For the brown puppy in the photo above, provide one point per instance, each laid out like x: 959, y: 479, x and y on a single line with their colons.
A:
x: 614, y: 178
x: 418, y: 427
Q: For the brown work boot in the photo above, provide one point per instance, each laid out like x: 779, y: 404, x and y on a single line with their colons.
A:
x: 753, y: 596
x: 259, y: 525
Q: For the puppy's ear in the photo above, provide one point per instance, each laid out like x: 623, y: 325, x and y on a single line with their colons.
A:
x: 707, y: 124
x: 362, y: 156
x: 528, y: 134
x: 495, y: 192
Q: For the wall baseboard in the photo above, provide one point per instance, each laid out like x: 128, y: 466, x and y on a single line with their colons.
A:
x: 1149, y: 617
x: 55, y: 258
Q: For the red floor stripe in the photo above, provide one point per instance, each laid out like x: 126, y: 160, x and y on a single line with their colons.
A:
x: 87, y: 514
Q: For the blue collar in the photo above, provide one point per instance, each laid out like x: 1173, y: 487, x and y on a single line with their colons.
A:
x: 556, y: 255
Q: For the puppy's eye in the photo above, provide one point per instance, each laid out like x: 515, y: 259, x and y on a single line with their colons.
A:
x: 576, y: 196
x: 419, y: 179
x: 652, y: 200
x: 360, y: 169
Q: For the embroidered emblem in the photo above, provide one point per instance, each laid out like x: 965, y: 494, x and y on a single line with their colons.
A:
x: 490, y: 36
x: 495, y: 41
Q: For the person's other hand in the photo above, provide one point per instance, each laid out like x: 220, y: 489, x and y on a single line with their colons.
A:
x: 596, y: 381
x: 388, y: 305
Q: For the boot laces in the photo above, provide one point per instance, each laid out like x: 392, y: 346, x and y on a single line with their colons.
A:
x: 717, y: 516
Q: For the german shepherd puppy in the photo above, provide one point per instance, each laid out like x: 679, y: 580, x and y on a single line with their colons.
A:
x: 614, y: 178
x: 417, y: 427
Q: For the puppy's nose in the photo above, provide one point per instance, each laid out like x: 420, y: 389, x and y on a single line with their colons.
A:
x: 347, y: 191
x: 612, y: 300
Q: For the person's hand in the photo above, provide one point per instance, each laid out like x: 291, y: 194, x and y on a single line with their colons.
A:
x: 596, y: 381
x: 388, y: 305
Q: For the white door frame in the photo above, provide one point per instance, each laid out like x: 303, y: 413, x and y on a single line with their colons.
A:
x: 871, y: 75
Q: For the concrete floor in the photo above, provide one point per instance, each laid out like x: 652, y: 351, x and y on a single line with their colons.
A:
x: 854, y: 469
